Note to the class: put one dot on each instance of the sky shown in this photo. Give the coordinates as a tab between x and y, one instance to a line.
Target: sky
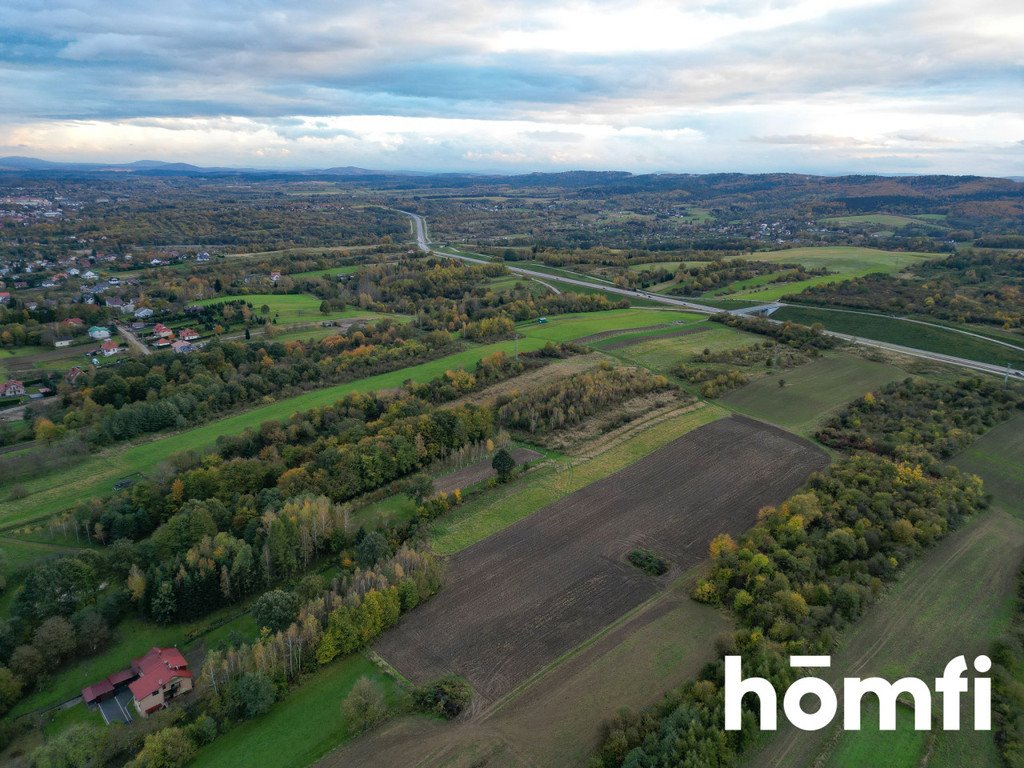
846	86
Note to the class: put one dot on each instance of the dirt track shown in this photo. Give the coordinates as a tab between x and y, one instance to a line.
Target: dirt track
518	600
480	471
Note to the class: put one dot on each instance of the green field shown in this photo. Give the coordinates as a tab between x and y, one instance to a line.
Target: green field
998	457
297	731
895	331
561	328
902	748
479	518
886	219
18	552
662	354
843	263
287	308
955	600
812	390
332	271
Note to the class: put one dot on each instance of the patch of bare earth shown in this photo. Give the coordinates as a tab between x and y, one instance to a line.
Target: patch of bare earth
482	470
517	601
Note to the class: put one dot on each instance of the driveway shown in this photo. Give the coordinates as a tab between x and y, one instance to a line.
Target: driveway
118	709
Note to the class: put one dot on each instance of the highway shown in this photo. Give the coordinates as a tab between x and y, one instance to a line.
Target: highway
423	242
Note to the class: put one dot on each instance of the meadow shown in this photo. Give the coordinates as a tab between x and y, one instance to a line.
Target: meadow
286	308
812	391
896	331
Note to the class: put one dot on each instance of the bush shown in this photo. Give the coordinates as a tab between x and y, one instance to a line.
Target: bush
646	560
446	697
365	705
251	695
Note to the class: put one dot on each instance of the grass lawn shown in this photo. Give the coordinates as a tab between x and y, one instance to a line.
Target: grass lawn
955	600
345	270
491	512
568	327
301	728
843	262
869	746
895	331
64	718
885	219
288	308
18	552
662	354
812	390
998	458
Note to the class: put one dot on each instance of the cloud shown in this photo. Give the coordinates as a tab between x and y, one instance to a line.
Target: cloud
643	84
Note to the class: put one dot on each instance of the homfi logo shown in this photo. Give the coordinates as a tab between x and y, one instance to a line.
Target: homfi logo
952	685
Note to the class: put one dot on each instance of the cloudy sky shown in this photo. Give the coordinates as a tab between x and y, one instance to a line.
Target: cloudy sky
900	86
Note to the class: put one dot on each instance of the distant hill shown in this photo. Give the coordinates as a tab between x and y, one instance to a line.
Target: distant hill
17	163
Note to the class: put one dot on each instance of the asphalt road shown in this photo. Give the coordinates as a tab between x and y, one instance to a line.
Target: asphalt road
423	242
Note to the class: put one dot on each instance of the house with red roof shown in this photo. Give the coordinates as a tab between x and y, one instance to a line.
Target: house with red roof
187	334
12	388
162	331
162	675
153	680
110	347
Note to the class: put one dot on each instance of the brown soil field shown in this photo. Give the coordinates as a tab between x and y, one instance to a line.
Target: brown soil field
651	337
480	471
517	601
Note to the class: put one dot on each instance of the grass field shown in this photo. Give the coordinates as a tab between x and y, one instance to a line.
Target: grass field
568	327
479	518
301	728
288	308
19	552
902	748
661	354
812	390
998	457
885	219
332	271
894	331
955	600
843	262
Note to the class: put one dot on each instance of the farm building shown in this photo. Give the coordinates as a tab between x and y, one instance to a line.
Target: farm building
153	680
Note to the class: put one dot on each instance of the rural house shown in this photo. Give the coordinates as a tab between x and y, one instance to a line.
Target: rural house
12	388
110	347
187	334
162	674
153	680
98	332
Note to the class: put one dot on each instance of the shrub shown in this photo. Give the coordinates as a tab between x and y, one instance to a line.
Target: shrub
646	560
446	697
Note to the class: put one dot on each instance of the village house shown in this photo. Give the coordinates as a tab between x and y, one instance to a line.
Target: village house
143	313
110	347
72	376
5	297
12	388
59	343
182	347
187	334
161	331
154	681
99	333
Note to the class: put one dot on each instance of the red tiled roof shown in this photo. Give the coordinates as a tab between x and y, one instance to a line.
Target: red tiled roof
92	692
121	677
156	668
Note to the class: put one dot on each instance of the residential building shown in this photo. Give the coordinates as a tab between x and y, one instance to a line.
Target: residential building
12	388
161	675
99	333
110	347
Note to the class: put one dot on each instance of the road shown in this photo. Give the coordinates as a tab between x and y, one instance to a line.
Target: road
424	245
423	242
133	340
